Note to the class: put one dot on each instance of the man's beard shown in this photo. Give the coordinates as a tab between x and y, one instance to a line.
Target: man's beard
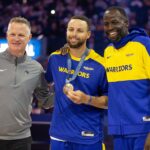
77	45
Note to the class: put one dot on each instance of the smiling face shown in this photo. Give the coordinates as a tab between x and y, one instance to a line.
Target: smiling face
77	33
115	25
18	36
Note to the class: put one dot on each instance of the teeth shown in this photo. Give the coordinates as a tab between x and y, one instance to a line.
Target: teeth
73	40
112	33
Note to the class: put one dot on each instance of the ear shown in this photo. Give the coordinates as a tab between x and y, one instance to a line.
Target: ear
30	36
127	23
88	34
7	35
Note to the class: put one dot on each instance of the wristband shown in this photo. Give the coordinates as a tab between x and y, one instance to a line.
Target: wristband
90	100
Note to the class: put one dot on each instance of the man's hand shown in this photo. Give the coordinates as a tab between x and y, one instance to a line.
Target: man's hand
78	97
64	50
147	143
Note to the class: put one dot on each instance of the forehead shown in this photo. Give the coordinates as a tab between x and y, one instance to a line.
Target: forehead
18	28
113	14
77	23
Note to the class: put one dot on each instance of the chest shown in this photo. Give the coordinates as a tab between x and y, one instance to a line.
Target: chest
18	75
125	64
89	74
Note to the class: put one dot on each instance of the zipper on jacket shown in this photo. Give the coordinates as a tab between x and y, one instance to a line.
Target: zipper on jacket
16	59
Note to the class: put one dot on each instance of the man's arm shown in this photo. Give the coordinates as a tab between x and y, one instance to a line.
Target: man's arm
80	97
43	93
64	50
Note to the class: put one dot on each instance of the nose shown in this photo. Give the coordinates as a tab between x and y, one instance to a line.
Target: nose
74	33
16	37
109	26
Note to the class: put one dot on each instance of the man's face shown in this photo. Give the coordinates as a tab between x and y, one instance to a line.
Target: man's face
18	36
115	25
77	33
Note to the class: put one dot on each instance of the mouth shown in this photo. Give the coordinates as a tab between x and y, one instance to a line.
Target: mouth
112	35
16	44
73	40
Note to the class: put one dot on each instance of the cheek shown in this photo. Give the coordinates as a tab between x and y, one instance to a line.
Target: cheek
87	37
68	33
123	32
68	36
9	38
105	29
25	41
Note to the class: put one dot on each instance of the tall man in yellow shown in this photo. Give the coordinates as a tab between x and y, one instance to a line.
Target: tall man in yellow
128	72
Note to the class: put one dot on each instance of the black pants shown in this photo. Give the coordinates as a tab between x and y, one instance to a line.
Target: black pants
20	144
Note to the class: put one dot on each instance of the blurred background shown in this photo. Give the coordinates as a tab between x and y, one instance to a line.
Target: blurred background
48	21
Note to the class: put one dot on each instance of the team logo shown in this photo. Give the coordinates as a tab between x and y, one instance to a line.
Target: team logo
130	54
2	70
88	68
108	57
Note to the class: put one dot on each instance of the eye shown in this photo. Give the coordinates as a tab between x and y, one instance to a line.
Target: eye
114	22
80	31
70	29
12	34
21	35
106	23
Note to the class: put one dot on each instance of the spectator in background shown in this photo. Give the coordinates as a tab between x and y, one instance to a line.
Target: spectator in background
80	89
128	72
41	14
20	77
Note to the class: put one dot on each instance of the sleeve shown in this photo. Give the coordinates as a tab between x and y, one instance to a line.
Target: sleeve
103	78
42	92
103	82
146	56
48	73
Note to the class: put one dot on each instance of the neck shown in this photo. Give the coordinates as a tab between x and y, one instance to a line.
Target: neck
16	53
77	52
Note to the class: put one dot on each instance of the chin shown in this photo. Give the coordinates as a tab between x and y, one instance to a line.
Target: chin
16	49
74	46
112	40
115	40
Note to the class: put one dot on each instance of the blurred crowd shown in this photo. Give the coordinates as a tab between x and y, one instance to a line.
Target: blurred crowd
49	17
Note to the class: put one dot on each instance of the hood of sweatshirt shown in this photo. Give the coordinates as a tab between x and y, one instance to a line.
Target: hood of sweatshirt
134	32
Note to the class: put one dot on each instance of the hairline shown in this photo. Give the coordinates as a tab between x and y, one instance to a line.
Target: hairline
20	20
119	9
82	18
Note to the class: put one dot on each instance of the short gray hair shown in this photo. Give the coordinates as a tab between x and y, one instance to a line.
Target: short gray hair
20	20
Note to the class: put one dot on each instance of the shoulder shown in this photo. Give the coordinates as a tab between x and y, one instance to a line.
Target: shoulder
56	55
96	57
57	52
1	54
108	49
144	41
34	63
